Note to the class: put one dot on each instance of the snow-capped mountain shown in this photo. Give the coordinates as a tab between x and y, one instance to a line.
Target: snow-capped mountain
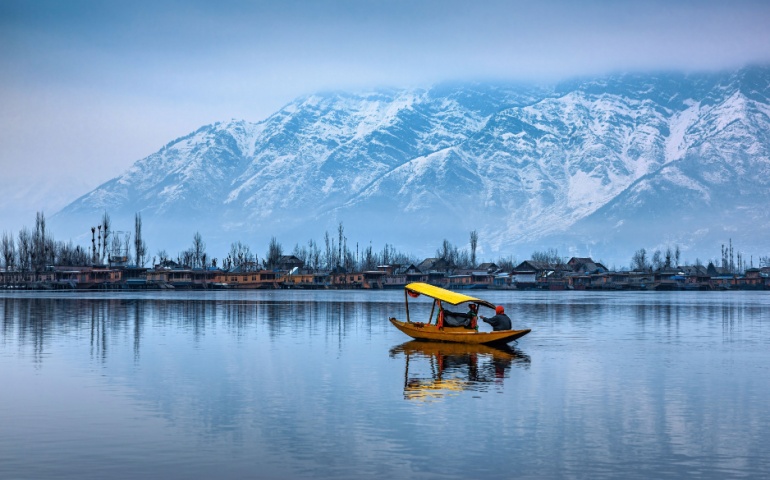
593	167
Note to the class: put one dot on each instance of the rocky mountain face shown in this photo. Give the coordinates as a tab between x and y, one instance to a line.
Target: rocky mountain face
599	167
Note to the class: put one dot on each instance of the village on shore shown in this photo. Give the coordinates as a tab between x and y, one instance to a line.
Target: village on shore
291	272
36	262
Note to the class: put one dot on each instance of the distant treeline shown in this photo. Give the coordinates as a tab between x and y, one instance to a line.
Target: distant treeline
33	250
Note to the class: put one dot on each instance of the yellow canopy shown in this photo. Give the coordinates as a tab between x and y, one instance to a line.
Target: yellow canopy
447	296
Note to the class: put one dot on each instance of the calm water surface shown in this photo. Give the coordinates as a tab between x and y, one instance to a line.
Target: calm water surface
319	385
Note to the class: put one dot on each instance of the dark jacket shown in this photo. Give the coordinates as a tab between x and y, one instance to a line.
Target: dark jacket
499	322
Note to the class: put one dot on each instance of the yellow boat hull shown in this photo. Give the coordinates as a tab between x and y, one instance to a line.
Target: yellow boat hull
428	331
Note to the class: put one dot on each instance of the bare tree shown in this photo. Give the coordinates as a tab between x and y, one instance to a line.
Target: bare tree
93	244
402	258
350	260
25	250
657	260
127	247
448	252
116	245
369	261
639	260
698	262
340	231
328	256
99	244
107	226
549	257
474	244
506	264
314	254
198	250
388	254
301	252
240	254
140	247
42	245
463	259
69	254
187	258
8	250
9	254
274	253
445	250
162	256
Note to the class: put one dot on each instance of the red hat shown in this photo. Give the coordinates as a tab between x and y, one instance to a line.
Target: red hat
499	309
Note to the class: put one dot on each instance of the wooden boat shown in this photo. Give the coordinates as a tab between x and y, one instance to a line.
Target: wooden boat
442	333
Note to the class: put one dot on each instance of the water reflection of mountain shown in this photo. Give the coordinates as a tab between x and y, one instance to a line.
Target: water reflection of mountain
434	369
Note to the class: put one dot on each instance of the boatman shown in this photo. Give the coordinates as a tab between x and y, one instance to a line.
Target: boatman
500	321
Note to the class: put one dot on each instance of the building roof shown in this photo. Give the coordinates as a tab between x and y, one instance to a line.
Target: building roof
532	266
586	264
433	264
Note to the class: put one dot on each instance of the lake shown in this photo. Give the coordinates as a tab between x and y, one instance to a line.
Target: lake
318	384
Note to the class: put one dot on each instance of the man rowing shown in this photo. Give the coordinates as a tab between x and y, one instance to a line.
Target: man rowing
500	321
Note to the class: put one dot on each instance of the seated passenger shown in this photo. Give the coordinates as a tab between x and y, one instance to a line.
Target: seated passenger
457	319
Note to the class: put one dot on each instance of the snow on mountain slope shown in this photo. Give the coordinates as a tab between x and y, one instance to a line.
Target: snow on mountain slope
578	165
715	188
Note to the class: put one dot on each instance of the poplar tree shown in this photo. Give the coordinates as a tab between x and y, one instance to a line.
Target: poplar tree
474	244
140	247
274	253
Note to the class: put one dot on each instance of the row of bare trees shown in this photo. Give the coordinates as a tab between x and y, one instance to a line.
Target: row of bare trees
659	260
34	250
336	254
669	258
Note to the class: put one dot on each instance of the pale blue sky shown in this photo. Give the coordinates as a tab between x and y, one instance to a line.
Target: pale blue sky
89	87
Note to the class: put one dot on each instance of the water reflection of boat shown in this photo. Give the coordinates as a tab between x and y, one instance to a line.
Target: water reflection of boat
439	331
440	369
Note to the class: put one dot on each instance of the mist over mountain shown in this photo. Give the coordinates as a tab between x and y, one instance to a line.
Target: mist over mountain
596	166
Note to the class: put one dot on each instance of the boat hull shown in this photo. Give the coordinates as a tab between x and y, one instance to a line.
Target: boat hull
427	331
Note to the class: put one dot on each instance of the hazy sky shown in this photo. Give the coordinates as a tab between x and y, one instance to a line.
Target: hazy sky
89	87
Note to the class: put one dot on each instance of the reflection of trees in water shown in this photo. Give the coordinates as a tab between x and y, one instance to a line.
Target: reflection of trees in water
672	316
35	331
35	321
676	319
9	317
108	319
238	316
39	321
543	313
663	317
332	319
190	315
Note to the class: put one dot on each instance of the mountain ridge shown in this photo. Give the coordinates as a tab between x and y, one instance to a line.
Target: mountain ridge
528	166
